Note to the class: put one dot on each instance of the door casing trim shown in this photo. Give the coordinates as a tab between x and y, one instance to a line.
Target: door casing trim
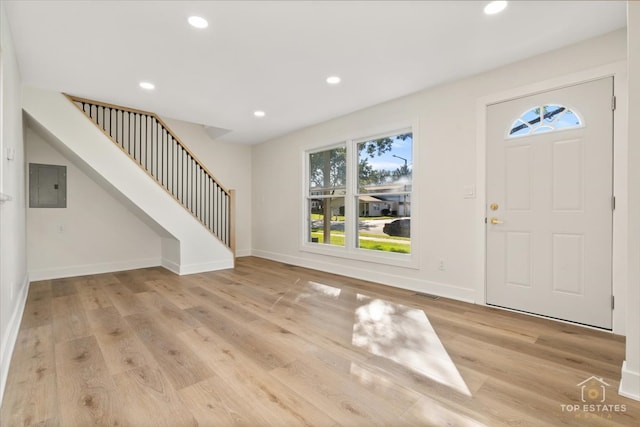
617	70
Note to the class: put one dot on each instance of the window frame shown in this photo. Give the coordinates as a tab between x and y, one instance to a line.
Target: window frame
350	250
509	136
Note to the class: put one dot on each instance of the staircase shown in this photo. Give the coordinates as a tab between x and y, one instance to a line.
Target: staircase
137	154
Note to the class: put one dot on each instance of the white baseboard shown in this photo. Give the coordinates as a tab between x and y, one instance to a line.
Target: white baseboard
171	266
629	383
243	253
84	270
411	284
11	335
196	268
204	267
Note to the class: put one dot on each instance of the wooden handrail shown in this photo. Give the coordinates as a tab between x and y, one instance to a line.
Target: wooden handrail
74	98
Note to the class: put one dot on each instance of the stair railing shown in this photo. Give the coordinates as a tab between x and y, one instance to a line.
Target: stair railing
148	141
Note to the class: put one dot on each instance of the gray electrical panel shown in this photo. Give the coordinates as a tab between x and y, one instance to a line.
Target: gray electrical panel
47	186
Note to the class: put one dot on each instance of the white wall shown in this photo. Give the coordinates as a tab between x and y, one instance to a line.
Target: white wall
446	223
630	383
13	262
98	233
230	164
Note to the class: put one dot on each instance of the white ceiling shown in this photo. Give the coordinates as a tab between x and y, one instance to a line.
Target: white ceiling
275	55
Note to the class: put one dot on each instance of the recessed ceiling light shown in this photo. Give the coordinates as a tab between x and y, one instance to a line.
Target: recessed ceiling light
259	113
495	7
147	85
198	22
333	80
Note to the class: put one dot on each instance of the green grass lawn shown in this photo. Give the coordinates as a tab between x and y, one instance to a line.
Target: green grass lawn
386	246
384	236
318	217
337	239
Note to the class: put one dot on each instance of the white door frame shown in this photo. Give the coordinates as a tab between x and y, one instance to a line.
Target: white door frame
620	148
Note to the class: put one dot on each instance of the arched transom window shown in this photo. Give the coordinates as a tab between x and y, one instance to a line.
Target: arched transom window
545	118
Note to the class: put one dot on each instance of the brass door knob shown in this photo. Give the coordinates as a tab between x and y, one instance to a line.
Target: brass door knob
495	220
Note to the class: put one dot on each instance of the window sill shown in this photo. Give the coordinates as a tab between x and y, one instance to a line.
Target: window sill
364	255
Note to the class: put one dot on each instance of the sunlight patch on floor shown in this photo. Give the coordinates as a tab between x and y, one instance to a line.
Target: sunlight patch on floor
404	335
318	289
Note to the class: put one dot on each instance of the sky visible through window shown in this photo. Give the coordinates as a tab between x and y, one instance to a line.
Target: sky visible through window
386	161
545	118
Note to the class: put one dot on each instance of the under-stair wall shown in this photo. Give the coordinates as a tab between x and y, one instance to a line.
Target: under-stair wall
191	247
97	232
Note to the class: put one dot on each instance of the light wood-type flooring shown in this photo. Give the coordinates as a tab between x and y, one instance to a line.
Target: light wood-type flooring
269	344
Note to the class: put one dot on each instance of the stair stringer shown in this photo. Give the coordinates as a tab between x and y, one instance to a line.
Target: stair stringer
194	248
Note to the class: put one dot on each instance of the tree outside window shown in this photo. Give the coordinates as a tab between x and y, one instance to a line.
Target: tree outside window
327	188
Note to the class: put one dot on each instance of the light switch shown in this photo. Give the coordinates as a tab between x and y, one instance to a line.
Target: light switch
469	191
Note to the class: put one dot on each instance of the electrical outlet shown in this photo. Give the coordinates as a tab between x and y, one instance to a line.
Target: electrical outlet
60	228
441	265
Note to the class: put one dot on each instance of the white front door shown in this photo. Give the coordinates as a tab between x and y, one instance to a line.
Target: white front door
549	203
